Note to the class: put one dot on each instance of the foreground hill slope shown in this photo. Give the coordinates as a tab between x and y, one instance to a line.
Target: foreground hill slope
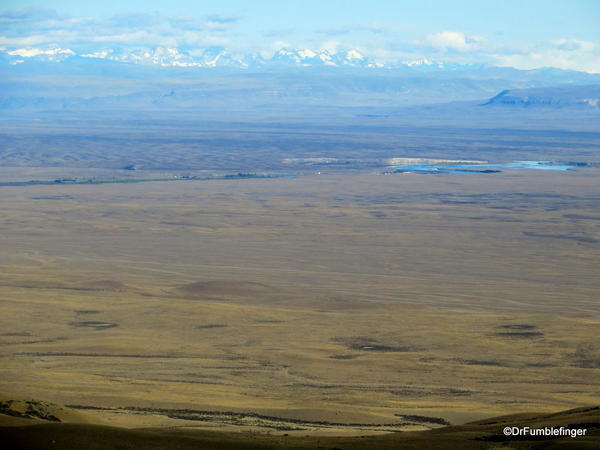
44	425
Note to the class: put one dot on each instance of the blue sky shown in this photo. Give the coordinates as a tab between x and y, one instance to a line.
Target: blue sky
524	34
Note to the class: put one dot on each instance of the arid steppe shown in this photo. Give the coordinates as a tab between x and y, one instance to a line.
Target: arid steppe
387	302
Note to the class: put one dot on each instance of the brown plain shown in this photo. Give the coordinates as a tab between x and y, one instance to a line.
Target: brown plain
347	299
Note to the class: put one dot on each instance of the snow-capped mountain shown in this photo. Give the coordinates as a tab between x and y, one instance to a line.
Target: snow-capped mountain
214	57
307	57
19	55
220	57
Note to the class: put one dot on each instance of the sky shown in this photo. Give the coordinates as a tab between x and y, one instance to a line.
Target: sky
524	34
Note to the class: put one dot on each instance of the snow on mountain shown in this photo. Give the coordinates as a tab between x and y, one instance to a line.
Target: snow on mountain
220	57
421	62
209	57
307	57
53	54
306	53
119	61
104	54
160	56
302	57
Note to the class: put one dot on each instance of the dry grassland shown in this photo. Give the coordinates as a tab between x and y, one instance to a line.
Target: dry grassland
387	302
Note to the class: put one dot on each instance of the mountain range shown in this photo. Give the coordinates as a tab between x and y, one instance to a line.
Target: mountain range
220	57
61	79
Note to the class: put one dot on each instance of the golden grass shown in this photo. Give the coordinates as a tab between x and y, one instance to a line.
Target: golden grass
350	299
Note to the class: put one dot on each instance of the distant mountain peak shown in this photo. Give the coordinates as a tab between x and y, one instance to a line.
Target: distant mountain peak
354	54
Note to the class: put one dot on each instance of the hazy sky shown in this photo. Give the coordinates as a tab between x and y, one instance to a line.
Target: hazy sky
525	33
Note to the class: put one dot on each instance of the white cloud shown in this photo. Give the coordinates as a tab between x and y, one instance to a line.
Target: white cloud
564	53
46	28
330	46
574	45
454	40
551	57
280	44
34	39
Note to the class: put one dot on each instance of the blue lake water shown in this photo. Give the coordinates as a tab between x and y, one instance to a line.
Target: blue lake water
485	167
